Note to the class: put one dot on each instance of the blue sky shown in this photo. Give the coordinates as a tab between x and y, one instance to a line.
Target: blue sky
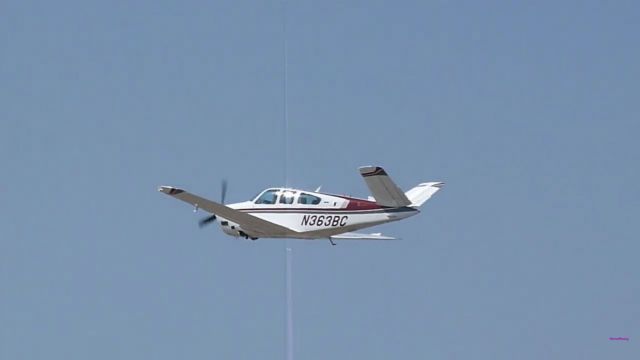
528	112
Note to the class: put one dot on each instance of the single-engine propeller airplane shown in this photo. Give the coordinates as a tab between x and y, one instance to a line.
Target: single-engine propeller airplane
301	214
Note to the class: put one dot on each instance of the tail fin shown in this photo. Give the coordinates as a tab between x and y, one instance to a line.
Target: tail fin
423	192
383	189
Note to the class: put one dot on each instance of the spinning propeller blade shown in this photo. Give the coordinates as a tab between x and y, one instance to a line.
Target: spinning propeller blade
223	191
223	195
206	220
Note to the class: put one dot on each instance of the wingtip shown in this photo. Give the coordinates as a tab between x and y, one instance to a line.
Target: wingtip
371	170
169	190
436	184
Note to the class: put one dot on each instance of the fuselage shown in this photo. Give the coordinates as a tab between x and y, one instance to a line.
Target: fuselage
313	214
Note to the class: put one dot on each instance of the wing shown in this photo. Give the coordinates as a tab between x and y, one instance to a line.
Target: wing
249	223
358	236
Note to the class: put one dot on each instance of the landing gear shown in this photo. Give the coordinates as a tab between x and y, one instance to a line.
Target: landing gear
331	241
244	235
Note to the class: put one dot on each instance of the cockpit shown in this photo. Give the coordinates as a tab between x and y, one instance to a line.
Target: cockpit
285	197
268	197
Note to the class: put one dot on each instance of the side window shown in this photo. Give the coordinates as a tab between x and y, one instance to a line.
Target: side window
308	199
287	197
268	197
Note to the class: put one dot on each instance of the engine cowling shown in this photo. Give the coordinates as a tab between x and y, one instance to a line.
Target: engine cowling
231	228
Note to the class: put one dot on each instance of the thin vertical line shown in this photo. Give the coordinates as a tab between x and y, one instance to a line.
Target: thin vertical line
289	279
289	252
285	95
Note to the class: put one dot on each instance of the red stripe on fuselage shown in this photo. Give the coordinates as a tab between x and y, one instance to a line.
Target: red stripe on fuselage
311	210
362	205
358	204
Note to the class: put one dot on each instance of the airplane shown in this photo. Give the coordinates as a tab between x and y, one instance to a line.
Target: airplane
284	212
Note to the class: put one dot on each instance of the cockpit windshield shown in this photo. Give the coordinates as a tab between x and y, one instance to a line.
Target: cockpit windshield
268	197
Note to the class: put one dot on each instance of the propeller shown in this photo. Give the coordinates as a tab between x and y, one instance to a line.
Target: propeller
223	191
205	221
223	195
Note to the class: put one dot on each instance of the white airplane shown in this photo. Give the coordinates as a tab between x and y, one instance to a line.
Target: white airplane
300	214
